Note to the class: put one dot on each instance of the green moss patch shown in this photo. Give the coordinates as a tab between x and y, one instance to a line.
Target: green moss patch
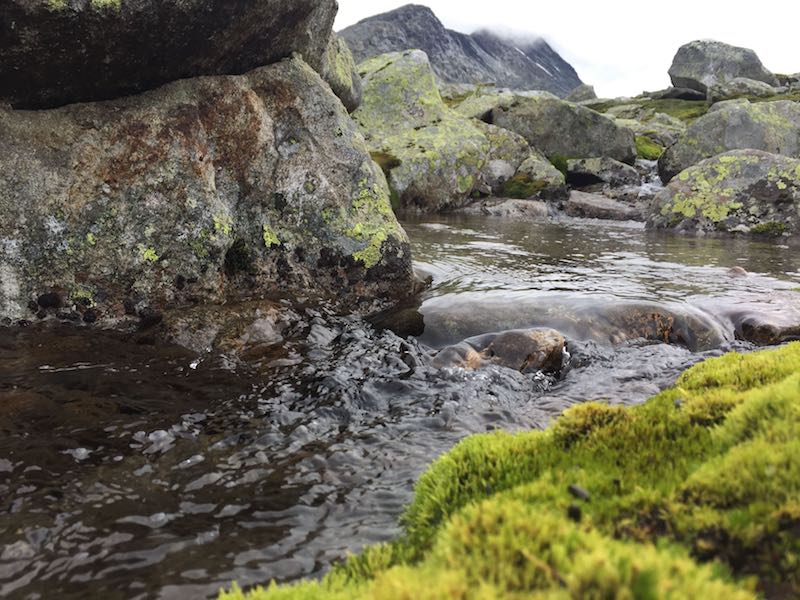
647	148
522	186
687	111
692	494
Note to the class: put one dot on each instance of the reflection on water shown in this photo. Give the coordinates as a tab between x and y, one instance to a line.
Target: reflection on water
140	471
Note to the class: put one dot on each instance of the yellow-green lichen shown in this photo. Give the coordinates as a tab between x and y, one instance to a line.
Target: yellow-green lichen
148	254
106	4
374	221
223	224
269	236
91	240
691	495
57	4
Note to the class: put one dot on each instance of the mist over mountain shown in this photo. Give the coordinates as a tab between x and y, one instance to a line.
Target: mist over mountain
482	57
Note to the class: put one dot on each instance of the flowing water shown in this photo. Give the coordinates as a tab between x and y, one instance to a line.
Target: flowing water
134	470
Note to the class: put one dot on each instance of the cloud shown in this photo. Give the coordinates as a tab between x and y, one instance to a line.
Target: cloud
622	47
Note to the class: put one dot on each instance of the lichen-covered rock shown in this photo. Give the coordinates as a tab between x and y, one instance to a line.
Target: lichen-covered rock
741	86
701	64
57	52
340	72
745	191
582	93
560	128
768	126
661	129
433	156
205	190
536	177
587	171
674	93
524	350
507	151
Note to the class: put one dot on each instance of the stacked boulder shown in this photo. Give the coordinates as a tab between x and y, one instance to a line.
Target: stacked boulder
207	162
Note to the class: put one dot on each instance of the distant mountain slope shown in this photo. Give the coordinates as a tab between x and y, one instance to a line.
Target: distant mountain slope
483	57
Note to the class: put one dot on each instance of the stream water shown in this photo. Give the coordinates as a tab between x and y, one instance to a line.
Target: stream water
149	471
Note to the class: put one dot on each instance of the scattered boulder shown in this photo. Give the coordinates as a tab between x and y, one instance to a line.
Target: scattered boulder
743	191
524	350
661	129
432	155
702	64
563	129
596	206
769	126
507	151
588	171
339	71
536	177
58	52
203	191
582	93
741	86
508	208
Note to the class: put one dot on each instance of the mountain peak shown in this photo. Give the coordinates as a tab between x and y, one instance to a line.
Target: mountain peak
523	62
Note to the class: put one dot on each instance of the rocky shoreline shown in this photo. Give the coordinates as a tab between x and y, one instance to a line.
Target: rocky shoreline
198	175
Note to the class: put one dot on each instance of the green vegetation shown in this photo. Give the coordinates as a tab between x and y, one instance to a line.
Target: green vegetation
560	163
693	494
386	161
647	148
771	228
523	186
687	111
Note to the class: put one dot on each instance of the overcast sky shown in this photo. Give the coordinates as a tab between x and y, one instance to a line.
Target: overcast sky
622	47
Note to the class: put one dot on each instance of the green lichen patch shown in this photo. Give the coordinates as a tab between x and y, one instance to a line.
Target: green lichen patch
648	149
693	494
269	236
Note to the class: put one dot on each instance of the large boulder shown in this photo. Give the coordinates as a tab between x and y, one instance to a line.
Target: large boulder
701	64
563	129
205	190
57	52
597	206
433	156
769	126
340	72
588	171
582	93
507	151
745	191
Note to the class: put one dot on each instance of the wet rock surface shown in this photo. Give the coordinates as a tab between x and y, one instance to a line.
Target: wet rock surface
597	206
202	191
62	51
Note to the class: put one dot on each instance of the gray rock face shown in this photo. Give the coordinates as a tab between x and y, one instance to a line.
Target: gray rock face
743	191
769	126
459	58
701	64
595	206
57	52
588	171
339	71
741	86
582	93
203	191
563	129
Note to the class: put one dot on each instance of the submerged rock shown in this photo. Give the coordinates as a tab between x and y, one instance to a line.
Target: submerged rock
744	191
702	64
508	208
524	350
768	126
566	130
57	52
203	191
432	155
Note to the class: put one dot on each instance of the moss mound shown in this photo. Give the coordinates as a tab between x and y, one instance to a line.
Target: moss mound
692	495
648	149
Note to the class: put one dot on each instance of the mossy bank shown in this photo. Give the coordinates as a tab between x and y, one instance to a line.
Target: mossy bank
609	502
